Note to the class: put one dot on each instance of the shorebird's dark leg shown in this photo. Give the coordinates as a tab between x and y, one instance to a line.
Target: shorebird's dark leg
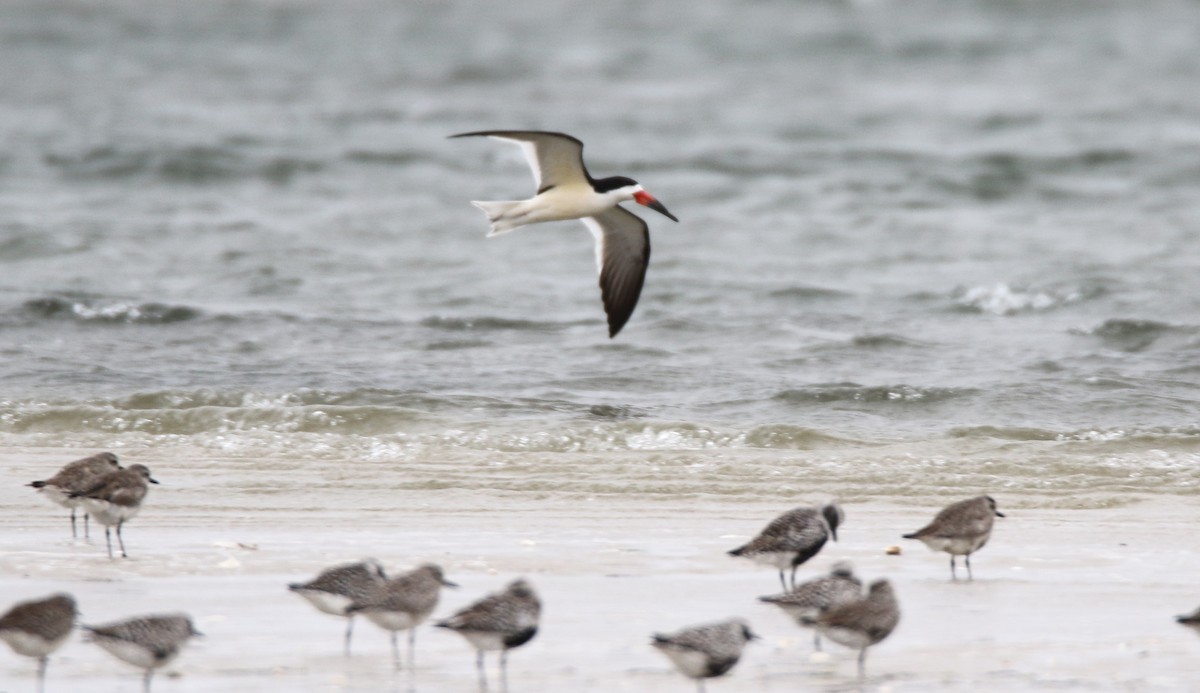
73	533
862	663
482	674
349	632
41	676
504	671
794	567
85	525
146	680
817	640
968	562
953	574
782	581
108	540
120	539
412	647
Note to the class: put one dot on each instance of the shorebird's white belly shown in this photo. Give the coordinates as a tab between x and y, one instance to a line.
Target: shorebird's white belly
328	602
484	641
394	620
29	644
848	637
110	514
136	655
57	495
955	546
690	663
778	559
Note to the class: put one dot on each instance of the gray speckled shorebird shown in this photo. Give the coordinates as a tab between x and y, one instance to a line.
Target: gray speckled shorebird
863	622
146	642
75	477
565	190
115	498
339	587
498	622
793	538
810	599
960	529
37	628
403	603
705	651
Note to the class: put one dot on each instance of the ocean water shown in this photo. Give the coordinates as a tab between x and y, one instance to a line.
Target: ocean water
923	245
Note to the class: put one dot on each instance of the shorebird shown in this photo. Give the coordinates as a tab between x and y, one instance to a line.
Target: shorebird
499	621
960	529
863	622
809	600
336	588
403	603
39	627
115	498
76	476
147	642
705	651
793	538
565	190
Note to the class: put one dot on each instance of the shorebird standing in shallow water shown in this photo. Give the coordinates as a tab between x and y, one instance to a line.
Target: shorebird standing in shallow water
403	603
793	538
809	600
337	588
499	621
148	642
565	190
705	651
863	622
74	477
39	627
960	529
116	497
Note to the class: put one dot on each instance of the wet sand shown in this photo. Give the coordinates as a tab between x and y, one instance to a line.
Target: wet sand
1072	599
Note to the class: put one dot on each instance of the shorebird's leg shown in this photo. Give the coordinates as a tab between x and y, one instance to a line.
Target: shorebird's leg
782	582
953	574
395	652
862	659
85	525
794	567
817	640
482	674
504	671
412	647
41	675
121	540
73	534
108	540
968	561
699	685
349	632
146	680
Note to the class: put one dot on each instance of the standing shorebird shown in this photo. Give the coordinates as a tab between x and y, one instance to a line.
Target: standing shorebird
336	588
705	651
809	600
74	477
115	498
500	622
147	642
793	538
960	529
565	190
39	627
863	622
403	603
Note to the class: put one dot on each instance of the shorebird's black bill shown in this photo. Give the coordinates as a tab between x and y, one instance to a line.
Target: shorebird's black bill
153	481
999	514
645	198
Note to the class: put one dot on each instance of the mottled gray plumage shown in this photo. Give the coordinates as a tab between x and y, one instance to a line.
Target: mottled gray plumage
810	599
339	587
960	529
863	622
146	642
499	621
705	651
38	627
115	498
403	603
75	477
793	538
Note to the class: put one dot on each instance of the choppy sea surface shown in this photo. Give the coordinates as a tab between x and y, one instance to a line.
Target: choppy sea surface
921	244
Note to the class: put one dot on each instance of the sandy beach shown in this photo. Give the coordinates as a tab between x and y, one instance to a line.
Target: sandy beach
1073	599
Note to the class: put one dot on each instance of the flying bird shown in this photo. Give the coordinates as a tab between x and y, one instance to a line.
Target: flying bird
565	190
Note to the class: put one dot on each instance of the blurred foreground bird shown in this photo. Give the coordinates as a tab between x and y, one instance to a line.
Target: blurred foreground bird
339	587
705	651
864	622
38	627
498	622
403	603
809	600
146	642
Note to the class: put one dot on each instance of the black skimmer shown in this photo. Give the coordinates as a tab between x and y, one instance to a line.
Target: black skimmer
565	190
